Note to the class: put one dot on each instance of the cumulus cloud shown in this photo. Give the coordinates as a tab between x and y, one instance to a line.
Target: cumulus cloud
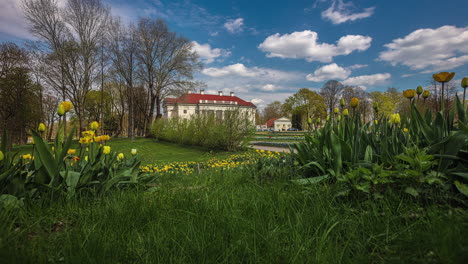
430	50
207	54
234	25
329	72
241	70
341	12
305	45
366	80
257	101
269	87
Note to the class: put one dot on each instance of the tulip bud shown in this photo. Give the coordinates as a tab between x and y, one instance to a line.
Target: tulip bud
464	82
354	102
319	120
345	112
338	118
309	120
41	127
405	130
2	156
61	110
342	102
336	110
67	106
71	151
328	118
419	90
94	125
134	151
376	122
410	93
426	94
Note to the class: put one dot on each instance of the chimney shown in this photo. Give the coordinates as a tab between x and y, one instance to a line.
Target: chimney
202	91
232	93
220	93
189	92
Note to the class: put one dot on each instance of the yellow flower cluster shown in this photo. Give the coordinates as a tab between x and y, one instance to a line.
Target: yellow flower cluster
89	136
189	167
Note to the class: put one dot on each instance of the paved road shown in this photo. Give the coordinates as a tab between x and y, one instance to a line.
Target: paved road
270	148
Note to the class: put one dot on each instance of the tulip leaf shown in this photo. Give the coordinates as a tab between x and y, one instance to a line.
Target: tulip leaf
45	155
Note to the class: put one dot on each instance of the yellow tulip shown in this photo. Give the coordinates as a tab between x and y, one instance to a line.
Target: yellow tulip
106	149
443	77
405	130
419	90
426	94
410	93
395	119
94	125
27	156
134	151
98	139
376	122
67	106
2	156
342	102
309	120
86	158
354	102
336	110
345	112
464	82
61	110
71	151
41	127
120	156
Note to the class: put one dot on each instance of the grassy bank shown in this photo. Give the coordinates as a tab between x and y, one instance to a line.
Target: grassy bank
231	218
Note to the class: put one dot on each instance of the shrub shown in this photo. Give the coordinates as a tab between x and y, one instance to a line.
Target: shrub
206	130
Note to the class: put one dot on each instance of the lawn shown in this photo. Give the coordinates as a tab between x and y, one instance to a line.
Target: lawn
232	218
151	150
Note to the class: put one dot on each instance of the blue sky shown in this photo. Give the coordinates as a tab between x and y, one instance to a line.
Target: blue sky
267	50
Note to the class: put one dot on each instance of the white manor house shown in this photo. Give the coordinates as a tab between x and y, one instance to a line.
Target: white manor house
192	103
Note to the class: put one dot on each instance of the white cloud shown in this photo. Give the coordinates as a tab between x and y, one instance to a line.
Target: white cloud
239	69
234	25
443	48
269	87
366	80
207	54
257	101
341	12
304	45
329	72
357	66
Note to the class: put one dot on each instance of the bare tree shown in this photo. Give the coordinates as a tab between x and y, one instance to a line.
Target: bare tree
329	92
167	62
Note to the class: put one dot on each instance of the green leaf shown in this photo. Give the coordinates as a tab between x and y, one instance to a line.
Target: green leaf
45	155
463	188
413	192
461	174
71	179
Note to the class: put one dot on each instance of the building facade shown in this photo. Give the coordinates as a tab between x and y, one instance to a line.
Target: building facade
279	124
191	104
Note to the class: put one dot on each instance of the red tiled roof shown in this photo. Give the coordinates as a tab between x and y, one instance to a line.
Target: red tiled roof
195	99
271	122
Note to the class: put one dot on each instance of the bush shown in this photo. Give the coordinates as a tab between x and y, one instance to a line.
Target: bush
231	133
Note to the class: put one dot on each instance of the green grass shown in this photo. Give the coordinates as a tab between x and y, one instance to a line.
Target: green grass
229	218
151	150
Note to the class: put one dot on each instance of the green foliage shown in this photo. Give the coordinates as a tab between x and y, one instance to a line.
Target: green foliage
367	155
206	130
55	171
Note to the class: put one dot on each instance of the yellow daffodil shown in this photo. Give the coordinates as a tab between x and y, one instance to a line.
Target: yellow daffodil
134	151
443	77
354	102
106	149
2	156
345	112
71	151
41	127
94	125
410	93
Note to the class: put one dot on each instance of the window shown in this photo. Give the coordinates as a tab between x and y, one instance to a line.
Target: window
185	111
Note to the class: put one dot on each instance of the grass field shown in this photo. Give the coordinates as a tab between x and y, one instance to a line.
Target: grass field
151	150
230	218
